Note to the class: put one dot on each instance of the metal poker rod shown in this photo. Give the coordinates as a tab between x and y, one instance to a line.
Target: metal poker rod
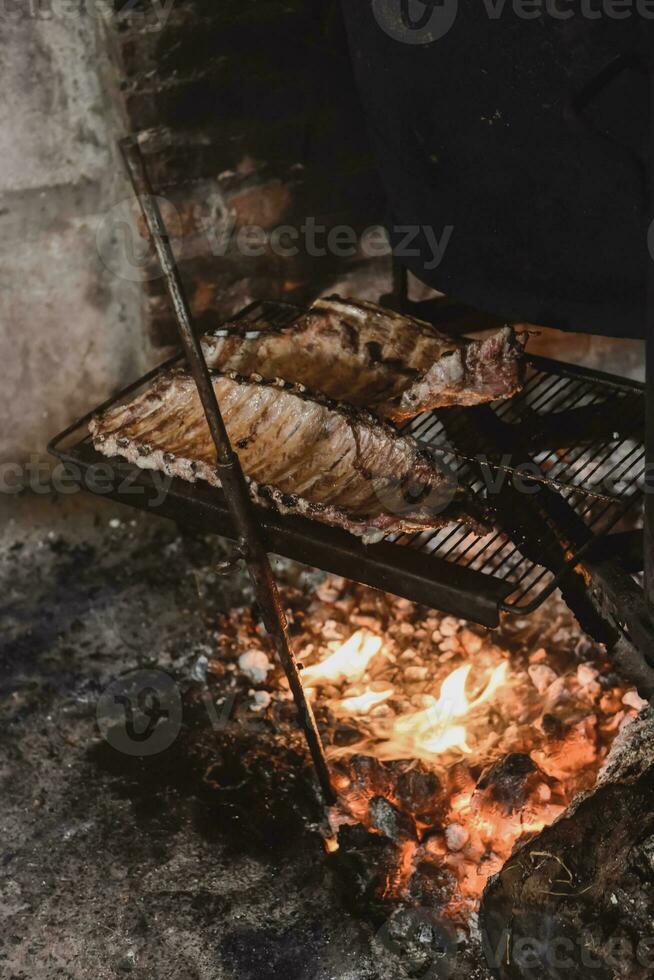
228	465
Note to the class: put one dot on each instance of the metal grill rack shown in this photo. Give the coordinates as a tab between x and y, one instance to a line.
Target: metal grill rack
599	478
566	454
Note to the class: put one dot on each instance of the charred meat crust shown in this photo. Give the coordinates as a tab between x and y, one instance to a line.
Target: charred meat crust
366	355
301	453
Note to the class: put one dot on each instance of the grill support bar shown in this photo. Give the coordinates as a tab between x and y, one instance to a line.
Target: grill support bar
648	529
251	546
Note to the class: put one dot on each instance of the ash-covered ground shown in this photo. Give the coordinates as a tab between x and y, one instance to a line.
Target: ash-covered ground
182	864
154	824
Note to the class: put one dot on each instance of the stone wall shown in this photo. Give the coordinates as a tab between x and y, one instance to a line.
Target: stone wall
247	115
70	331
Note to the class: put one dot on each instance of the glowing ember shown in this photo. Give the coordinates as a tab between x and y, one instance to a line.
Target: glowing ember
448	746
349	662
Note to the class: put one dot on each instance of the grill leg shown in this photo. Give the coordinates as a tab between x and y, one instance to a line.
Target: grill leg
648	532
229	468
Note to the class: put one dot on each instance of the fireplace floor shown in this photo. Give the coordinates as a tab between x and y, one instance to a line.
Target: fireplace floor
115	865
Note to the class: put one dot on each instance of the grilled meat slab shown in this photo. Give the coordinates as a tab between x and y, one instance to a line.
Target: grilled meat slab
365	355
300	453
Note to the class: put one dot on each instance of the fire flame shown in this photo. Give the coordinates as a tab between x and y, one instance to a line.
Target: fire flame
428	733
348	663
423	734
441	748
362	703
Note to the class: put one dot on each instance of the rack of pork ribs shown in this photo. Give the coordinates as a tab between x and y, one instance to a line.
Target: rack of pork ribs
465	474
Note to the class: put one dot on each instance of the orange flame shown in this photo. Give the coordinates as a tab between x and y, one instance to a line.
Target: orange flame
348	663
430	732
362	703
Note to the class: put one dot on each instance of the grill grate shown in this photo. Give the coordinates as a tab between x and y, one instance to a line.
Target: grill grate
572	439
599	473
600	478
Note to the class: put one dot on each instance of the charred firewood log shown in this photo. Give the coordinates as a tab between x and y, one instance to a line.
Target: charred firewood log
578	900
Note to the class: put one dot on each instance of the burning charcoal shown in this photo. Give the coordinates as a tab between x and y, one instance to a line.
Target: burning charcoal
370	775
367	863
471	642
552	726
260	701
556	693
642	859
450	645
576	878
508	781
421	793
331	589
587	674
432	886
425	945
390	821
346	735
576	751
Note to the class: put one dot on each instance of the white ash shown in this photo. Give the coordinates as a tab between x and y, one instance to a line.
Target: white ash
199	669
450	626
555	694
450	644
260	701
587	674
542	677
456	837
633	700
471	642
256	665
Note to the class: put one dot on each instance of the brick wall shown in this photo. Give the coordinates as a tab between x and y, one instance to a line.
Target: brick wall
248	114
